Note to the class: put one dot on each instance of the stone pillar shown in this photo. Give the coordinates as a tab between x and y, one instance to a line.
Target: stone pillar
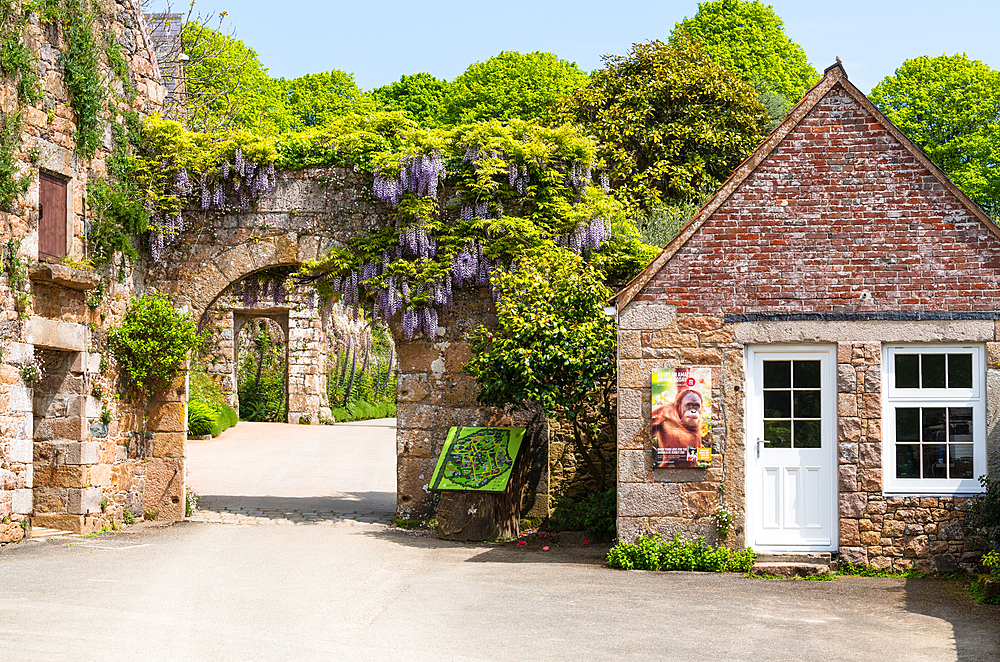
433	395
166	427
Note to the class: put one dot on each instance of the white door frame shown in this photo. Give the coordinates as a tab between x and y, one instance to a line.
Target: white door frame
753	407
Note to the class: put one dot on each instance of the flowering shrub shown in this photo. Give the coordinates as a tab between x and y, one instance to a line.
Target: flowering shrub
654	553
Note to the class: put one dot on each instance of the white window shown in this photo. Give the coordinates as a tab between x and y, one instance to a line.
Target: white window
934	419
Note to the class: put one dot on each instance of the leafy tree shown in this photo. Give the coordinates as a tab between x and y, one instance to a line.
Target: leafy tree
672	123
747	37
950	107
510	85
315	99
225	85
421	96
553	345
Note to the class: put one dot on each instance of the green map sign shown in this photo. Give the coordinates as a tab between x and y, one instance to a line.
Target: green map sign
477	459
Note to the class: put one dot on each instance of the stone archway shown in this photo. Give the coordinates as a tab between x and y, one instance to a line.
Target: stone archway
309	212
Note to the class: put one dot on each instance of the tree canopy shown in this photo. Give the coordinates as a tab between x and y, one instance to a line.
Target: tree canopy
747	37
315	99
950	107
420	95
227	86
671	122
510	85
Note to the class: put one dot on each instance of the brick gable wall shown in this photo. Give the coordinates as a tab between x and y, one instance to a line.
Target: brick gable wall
839	208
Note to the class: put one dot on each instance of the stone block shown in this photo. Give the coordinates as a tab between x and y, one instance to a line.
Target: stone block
848	453
870	456
20	352
85	501
166	417
66	475
22	501
849	534
168	444
672	337
20	399
849	429
847	379
847	404
80	524
53	334
74	429
20	450
633	434
629	344
893	529
93	406
164	488
417	356
700	504
871	480
873	379
871	405
79	452
456	355
918	547
644	315
630	403
848	481
414	498
418	443
99	475
649	499
853	505
634	466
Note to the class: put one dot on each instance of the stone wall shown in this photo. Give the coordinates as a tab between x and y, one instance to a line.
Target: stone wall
58	460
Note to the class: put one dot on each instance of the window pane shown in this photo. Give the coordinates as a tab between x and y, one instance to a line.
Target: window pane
935	458
807	404
778	434
777	404
777	374
933	424
960	425
907	371
960	461
807	434
960	371
807	374
932	375
907	424
908	461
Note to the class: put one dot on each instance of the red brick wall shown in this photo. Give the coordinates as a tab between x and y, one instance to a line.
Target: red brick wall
838	208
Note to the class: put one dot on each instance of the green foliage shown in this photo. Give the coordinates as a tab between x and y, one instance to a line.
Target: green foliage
128	517
83	79
862	570
16	268
190	501
554	346
118	204
664	222
120	66
950	107
421	96
992	561
983	512
316	99
671	122
227	87
362	410
655	553
16	60
261	372
510	85
594	512
202	419
748	38
153	341
13	184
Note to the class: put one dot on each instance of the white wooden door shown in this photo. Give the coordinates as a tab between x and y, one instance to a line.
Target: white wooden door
791	449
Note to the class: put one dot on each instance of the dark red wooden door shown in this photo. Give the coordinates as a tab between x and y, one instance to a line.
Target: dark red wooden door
51	218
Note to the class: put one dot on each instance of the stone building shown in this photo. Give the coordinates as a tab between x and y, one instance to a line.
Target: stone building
71	455
844	295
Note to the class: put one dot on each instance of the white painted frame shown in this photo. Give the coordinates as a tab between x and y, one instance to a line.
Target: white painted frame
753	405
918	397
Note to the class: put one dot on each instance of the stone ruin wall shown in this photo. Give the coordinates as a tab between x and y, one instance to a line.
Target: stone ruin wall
58	461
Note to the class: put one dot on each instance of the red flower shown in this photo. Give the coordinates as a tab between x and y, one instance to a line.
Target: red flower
545	549
586	542
521	543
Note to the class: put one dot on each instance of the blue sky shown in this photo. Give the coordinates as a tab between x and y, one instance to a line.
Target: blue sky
378	41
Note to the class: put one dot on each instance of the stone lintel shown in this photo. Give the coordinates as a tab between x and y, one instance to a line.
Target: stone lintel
57	274
53	334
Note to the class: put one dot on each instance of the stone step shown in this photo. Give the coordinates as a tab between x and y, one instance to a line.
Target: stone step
789	570
796	557
41	533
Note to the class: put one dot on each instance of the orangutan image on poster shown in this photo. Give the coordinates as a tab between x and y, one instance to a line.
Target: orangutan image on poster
682	411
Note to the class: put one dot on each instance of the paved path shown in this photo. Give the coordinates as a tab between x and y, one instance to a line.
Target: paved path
354	590
276	473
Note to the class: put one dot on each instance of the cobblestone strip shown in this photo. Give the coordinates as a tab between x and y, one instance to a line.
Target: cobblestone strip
255	516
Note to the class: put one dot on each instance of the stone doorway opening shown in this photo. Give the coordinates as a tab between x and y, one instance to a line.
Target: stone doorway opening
261	365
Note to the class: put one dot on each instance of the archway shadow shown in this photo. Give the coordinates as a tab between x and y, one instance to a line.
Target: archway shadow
356	506
976	627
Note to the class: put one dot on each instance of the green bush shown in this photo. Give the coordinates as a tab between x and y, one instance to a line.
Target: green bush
202	419
983	512
595	512
362	410
227	416
204	392
654	553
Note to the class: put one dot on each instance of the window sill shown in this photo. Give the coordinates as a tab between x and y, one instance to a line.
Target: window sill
57	274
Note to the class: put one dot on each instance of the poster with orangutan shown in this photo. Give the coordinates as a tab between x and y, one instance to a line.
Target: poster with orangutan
682	413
